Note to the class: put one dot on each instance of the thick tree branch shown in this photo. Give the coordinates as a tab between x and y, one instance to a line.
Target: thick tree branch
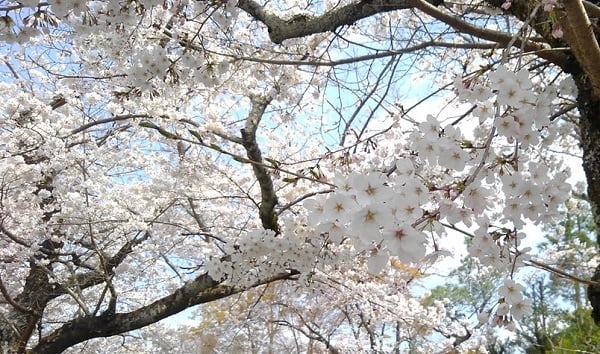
268	202
541	50
200	290
591	9
582	40
304	25
39	290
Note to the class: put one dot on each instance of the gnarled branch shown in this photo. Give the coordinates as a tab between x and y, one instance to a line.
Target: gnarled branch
304	25
200	290
267	213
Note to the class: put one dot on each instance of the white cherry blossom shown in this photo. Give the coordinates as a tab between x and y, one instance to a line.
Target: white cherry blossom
511	291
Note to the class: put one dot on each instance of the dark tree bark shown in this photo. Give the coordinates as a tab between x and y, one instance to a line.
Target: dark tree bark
200	290
589	126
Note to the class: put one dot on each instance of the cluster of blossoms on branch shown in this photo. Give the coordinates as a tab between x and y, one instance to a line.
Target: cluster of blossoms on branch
262	252
445	179
375	216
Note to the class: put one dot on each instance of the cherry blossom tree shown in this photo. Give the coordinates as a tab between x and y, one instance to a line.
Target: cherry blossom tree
157	155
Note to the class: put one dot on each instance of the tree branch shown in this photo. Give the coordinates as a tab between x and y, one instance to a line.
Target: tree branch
304	25
106	120
317	62
591	9
92	278
200	290
11	301
267	213
499	37
582	40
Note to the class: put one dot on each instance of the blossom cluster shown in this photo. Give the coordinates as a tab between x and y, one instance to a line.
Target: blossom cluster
261	252
375	213
487	181
511	305
520	114
512	301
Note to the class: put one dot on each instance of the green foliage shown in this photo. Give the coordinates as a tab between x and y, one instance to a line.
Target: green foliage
581	335
538	332
475	291
573	239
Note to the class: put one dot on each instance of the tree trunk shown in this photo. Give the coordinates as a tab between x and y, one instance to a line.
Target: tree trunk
589	130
